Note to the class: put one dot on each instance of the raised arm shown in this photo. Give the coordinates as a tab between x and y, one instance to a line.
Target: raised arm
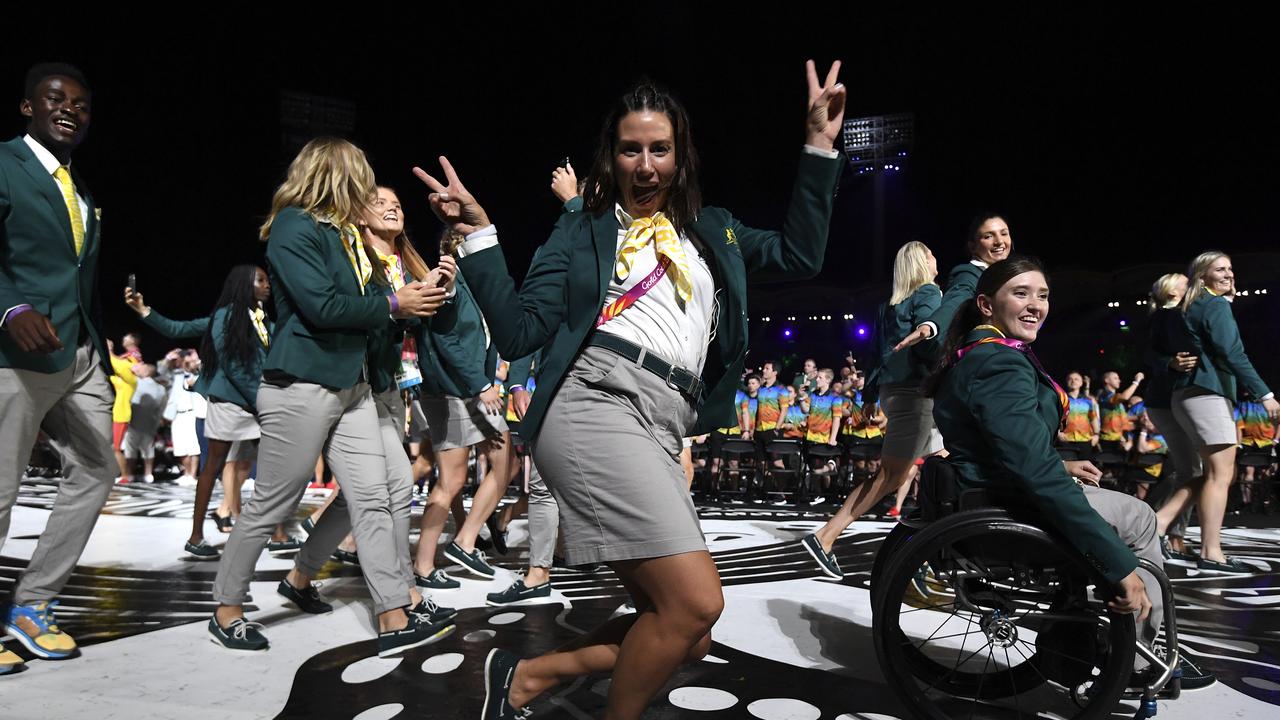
520	322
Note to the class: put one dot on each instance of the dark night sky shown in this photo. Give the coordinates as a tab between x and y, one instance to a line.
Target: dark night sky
1108	140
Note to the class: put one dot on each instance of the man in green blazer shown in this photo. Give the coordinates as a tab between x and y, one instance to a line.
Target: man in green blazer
53	371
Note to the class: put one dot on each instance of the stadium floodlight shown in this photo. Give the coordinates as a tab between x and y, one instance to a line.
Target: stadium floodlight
880	143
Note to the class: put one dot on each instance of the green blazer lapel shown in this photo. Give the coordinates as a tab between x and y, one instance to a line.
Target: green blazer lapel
604	229
50	189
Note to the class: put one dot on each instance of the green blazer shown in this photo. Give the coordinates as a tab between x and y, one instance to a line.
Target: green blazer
1167	336
999	417
323	315
896	322
457	361
564	290
230	382
38	263
1215	338
962	286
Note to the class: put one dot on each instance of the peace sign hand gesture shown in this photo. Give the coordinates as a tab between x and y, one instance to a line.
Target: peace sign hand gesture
452	203
826	107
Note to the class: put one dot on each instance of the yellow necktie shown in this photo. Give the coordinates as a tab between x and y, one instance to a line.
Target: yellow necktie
667	242
73	205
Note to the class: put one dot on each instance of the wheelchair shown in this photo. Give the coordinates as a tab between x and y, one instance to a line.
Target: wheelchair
979	611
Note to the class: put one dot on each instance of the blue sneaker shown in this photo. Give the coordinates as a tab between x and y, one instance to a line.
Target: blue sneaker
37	629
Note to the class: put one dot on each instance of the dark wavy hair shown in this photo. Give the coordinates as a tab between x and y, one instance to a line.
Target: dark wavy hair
240	339
971	237
684	197
968	316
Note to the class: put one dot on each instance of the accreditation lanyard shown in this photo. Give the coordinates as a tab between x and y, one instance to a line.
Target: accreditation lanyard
637	291
1063	399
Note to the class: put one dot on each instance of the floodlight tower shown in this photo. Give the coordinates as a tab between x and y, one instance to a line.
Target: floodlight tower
876	146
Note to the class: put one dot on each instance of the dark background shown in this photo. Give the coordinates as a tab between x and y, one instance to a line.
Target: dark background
1118	146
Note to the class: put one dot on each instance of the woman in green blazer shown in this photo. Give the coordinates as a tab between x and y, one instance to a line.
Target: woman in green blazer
234	346
316	397
988	241
897	382
999	412
464	410
1204	398
640	300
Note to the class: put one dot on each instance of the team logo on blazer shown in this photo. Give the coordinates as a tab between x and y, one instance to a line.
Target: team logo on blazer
97	213
730	238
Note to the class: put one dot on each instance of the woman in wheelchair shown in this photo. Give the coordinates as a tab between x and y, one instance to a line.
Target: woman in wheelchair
997	576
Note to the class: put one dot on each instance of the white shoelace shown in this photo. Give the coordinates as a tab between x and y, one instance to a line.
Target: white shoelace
239	629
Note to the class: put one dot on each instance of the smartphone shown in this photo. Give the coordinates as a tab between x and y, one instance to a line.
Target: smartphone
565	162
132	282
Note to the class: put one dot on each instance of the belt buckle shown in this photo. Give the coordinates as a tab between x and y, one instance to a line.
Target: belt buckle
671	371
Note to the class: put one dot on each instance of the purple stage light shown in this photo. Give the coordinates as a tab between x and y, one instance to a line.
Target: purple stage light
862	331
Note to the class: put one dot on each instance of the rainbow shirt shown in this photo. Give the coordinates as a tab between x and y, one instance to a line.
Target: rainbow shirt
796	418
738	400
747	411
859	424
1115	416
1161	448
773	404
1255	426
1081	414
824	417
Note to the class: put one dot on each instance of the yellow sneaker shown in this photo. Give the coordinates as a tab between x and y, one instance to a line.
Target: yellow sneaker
9	662
37	629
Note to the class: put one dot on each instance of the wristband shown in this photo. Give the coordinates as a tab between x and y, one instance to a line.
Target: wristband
15	312
395	304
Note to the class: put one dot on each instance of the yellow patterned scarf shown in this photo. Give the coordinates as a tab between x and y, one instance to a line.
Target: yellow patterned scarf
258	316
354	245
667	243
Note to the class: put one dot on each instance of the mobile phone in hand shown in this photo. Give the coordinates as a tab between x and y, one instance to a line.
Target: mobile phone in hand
132	282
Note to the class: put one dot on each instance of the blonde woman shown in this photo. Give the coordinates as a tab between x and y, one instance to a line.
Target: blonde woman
315	397
897	380
1204	398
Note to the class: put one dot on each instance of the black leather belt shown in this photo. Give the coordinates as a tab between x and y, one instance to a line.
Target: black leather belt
686	381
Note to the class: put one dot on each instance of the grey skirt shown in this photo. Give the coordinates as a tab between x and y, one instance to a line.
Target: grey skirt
609	451
910	418
228	421
454	422
1206	417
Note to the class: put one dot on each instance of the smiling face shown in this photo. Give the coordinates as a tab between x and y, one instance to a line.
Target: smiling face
1019	307
644	162
385	217
1219	277
992	243
1074	381
58	114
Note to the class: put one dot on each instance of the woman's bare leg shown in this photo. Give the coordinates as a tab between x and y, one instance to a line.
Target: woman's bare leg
1219	469
218	450
893	473
678	599
492	487
452	467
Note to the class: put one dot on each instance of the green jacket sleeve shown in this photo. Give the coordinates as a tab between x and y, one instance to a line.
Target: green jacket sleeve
573	204
1224	335
519	370
522	322
175	328
925	301
797	252
296	250
962	285
1002	396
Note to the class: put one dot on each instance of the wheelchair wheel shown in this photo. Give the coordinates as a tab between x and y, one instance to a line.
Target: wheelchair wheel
888	547
981	615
